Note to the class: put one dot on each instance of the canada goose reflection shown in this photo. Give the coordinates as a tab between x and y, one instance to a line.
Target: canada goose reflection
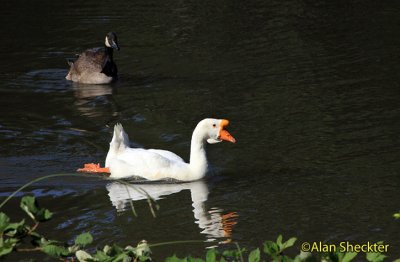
90	91
95	101
214	224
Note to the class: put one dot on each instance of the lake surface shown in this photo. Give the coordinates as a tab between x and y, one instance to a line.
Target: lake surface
311	89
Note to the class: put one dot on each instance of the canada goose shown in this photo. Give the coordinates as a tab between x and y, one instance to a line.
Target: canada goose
95	65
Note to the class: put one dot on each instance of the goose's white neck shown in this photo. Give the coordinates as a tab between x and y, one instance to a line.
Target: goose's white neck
198	160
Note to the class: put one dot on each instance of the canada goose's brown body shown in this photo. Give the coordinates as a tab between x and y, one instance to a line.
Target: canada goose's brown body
96	65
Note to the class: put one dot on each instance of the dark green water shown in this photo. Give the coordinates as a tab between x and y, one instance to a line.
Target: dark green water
311	90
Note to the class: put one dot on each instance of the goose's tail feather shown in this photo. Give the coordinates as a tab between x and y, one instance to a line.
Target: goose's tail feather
119	142
120	139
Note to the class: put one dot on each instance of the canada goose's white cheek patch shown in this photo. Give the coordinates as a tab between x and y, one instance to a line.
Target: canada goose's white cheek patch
107	43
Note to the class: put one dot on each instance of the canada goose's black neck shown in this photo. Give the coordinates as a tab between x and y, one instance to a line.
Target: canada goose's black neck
109	51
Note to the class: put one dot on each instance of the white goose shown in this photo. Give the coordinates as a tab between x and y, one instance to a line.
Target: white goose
154	164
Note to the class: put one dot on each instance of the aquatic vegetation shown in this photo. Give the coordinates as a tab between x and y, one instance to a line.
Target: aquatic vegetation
14	237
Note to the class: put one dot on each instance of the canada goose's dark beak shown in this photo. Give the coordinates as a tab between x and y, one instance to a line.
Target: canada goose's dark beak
115	45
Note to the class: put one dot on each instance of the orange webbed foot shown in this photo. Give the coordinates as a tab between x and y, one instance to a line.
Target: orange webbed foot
93	168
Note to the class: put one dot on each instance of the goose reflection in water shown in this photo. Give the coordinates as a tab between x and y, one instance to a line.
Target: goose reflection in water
215	225
96	101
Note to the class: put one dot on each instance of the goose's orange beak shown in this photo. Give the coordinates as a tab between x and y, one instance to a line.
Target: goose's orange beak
223	134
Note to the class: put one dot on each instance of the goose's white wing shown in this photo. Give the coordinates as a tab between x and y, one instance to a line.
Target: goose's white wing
167	154
150	164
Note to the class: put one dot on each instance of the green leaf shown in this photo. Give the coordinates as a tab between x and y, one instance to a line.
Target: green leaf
55	251
376	257
397	215
107	249
303	256
31	207
174	258
211	255
286	259
84	239
121	258
7	246
73	249
349	256
100	255
289	243
233	254
36	235
4	222
16	229
6	249
112	251
143	249
117	249
129	250
194	259
28	204
254	255
333	256
36	239
83	256
44	242
45	215
279	240
271	248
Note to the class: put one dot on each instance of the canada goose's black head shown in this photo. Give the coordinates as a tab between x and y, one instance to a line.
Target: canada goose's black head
111	40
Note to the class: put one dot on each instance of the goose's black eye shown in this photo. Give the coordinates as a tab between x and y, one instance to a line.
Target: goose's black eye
214	125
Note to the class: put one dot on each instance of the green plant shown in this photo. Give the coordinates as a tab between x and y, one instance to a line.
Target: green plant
13	234
275	249
376	257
